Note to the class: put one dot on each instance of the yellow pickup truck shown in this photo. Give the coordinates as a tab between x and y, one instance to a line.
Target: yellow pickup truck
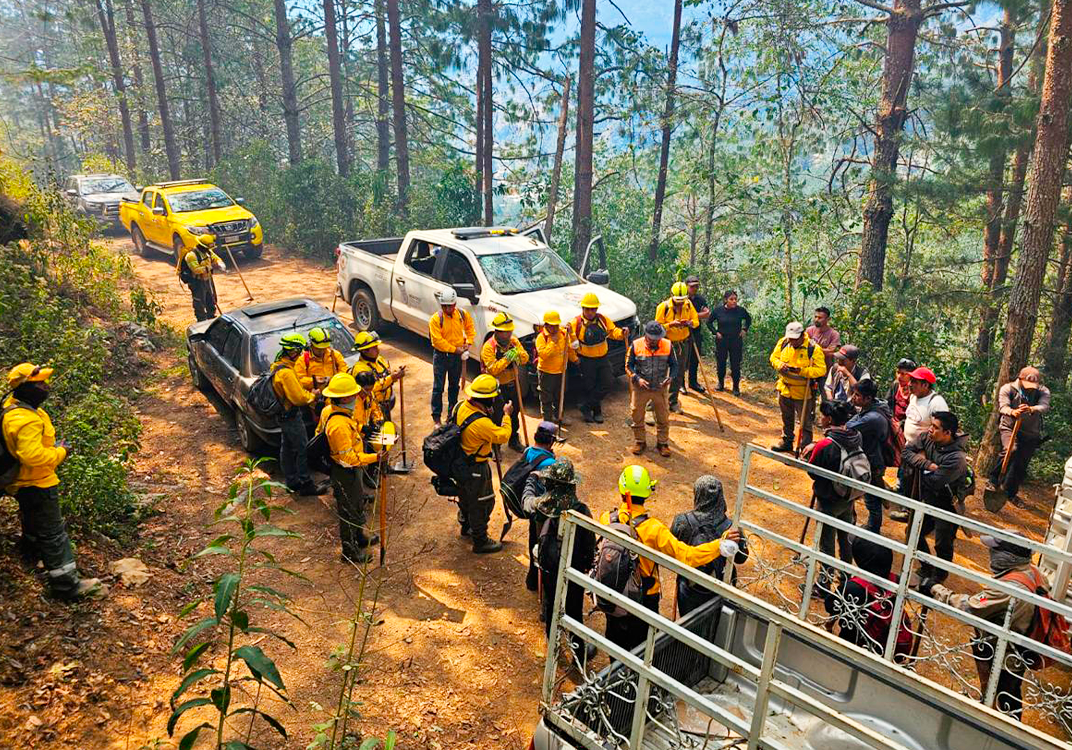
169	216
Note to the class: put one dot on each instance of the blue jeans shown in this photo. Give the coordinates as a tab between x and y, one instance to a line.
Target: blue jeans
446	367
292	458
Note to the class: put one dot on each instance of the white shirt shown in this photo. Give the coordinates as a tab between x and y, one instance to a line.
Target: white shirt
918	414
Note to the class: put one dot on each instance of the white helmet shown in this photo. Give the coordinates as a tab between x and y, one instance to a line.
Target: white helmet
448	297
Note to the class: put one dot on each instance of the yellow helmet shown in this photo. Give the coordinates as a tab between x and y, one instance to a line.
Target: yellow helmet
483	386
366	340
590	300
28	372
679	291
319	338
552	318
206	241
342	385
502	322
636	482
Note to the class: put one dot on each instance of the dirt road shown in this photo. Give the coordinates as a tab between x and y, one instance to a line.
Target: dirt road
458	647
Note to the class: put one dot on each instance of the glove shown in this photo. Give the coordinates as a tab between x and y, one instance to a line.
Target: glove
575	344
223	266
728	548
465	355
511	356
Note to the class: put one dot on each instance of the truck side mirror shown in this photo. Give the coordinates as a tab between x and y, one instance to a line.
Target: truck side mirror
467	290
240	201
600	277
159	211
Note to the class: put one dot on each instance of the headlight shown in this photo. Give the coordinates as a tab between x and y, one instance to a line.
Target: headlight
253	222
197	230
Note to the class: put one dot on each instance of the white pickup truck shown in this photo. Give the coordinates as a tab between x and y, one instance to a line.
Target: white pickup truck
492	269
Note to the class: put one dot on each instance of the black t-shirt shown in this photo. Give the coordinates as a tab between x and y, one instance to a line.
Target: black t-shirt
729	321
699	302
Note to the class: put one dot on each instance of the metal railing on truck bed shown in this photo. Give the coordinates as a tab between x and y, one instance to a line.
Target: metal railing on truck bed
767	674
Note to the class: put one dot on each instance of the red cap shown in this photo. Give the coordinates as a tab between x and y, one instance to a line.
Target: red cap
923	373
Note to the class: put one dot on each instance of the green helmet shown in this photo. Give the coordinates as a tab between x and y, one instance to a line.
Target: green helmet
292	341
319	337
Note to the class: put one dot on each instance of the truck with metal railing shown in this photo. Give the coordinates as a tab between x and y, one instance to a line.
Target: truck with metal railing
760	666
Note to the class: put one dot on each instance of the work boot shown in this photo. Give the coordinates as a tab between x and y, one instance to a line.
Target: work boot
360	556
532	580
698	388
899	514
515	445
313	489
664	450
649	419
721	386
638	448
782	446
587	414
736	390
1017	502
597	417
991	487
86	588
676	408
487	546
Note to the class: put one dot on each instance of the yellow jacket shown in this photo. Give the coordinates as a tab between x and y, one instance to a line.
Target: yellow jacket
308	368
665	315
31	438
550	351
794	385
448	333
287	387
200	263
653	533
344	437
576	329
379	367
478	437
494	359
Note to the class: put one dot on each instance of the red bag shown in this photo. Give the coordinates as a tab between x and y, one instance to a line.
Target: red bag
879	613
1047	627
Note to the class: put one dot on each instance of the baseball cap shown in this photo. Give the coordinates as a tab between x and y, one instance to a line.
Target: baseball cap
994	543
654	329
692	279
848	352
923	373
794	330
1029	378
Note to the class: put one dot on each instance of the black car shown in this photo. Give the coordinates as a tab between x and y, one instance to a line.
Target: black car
227	354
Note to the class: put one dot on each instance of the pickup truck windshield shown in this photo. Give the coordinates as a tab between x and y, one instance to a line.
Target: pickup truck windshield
105	185
199	200
265	346
527	271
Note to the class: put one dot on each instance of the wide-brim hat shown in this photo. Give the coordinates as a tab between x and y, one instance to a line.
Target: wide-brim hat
27	372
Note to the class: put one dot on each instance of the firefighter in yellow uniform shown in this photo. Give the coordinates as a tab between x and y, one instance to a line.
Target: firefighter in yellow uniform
552	352
636	486
678	316
452	332
799	364
341	423
320	362
293	459
195	270
480	435
502	357
373	371
30	439
589	332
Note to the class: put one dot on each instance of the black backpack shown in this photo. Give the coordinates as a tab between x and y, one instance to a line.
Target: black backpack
701	532
593	333
317	449
186	275
618	568
548	547
512	487
9	463
262	398
443	454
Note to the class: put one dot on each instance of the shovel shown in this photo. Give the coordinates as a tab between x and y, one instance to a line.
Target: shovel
405	466
994	499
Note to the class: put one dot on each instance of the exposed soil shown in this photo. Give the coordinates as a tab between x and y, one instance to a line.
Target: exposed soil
457	653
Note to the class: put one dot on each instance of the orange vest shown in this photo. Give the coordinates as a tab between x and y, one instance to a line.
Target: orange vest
652	366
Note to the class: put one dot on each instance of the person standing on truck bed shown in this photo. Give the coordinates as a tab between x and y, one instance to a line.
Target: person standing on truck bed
553	353
451	331
502	353
293	459
636	487
679	318
195	270
476	496
589	332
367	344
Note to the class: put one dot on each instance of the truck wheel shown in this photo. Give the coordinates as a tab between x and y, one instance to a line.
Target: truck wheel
363	307
138	239
177	246
253	251
197	378
249	440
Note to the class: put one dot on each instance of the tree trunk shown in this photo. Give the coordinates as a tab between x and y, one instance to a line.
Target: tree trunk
1047	168
171	148
338	106
902	28
487	80
556	170
383	94
479	151
398	105
582	180
712	154
347	79
668	128
994	209
262	84
139	80
210	83
285	44
1056	348
107	23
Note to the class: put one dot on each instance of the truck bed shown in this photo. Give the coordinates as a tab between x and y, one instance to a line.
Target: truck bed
387	248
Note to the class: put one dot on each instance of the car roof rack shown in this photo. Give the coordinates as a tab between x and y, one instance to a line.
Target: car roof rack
476	233
176	183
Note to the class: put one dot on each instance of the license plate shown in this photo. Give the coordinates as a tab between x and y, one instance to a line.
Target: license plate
229	238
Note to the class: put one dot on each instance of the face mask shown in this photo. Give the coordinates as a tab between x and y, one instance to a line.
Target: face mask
31	393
